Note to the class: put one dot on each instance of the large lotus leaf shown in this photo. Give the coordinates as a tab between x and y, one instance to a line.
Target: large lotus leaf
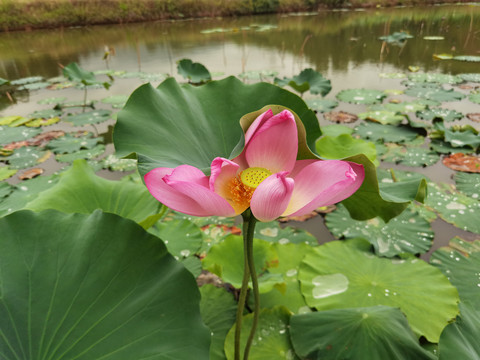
409	155
11	134
308	79
182	237
361	96
459	340
96	286
196	73
25	192
435	78
406	233
89	117
74	72
345	145
322	105
434	93
273	232
383	205
388	133
366	333
218	308
27	156
439	113
467	183
454	207
183	124
460	262
81	191
289	295
5	188
271	341
6	172
361	279
82	154
226	261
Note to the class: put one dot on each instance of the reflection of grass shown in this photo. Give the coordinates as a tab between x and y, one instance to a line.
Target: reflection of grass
27	14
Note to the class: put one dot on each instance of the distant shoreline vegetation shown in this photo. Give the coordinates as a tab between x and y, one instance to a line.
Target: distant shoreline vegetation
36	14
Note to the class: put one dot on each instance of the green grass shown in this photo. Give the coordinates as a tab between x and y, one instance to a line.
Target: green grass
31	14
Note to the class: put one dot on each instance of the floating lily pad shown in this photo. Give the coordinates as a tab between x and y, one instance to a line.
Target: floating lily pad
81	191
388	133
13	119
9	134
434	93
409	155
454	207
272	339
26	157
382	117
258	75
196	73
460	263
439	113
116	101
435	78
82	154
459	340
115	163
6	172
361	279
182	237
89	117
308	79
322	105
218	308
52	100
272	232
397	38
401	107
72	143
98	294
462	162
457	136
343	146
406	233
340	117
443	147
26	80
25	192
469	184
433	38
226	261
35	86
475	77
335	130
372	333
474	97
42	122
5	188
413	68
469	58
361	96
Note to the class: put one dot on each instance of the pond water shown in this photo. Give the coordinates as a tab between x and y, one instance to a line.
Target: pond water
342	45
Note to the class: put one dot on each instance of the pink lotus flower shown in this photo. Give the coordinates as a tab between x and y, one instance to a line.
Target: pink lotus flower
266	177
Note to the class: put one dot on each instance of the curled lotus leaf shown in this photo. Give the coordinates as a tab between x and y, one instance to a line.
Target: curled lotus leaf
196	73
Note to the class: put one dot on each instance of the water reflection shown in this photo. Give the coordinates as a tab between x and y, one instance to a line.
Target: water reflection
331	42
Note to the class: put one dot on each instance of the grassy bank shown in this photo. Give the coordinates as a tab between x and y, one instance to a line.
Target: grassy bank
32	14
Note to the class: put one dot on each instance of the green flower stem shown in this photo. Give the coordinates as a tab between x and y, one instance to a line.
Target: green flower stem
244	289
256	293
249	222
